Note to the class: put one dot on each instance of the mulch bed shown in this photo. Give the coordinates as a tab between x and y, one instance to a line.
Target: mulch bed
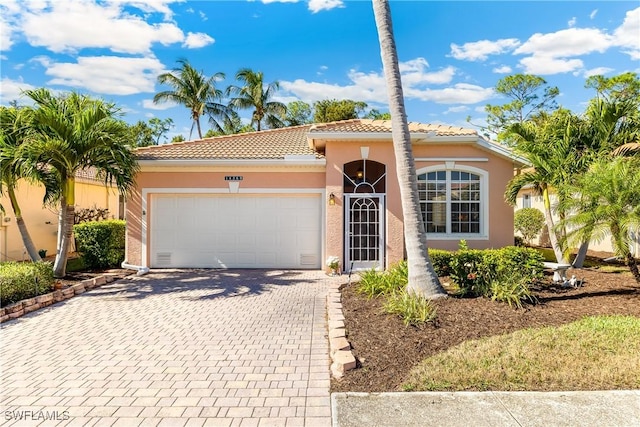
386	350
78	276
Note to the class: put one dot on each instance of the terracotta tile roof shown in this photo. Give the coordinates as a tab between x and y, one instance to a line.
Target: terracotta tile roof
277	143
266	144
370	126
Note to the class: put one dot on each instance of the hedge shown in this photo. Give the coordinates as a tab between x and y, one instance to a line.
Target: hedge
22	280
101	243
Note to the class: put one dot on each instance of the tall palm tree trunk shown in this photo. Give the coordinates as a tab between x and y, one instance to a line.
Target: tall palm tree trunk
423	280
553	236
60	265
22	227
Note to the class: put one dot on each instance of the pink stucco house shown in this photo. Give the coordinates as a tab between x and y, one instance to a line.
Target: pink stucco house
292	197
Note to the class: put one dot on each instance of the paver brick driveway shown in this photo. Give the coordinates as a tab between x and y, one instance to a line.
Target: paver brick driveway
175	348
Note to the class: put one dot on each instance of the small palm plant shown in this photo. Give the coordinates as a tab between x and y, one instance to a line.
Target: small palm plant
607	202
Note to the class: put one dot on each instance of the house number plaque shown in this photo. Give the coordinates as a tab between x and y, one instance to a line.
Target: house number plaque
233	178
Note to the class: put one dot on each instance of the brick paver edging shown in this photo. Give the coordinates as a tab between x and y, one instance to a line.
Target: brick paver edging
339	347
20	308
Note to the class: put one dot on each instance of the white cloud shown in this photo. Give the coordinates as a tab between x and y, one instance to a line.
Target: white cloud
460	93
318	5
107	74
151	6
597	71
458	109
503	69
197	40
593	13
544	65
554	53
480	50
8	19
371	87
572	22
11	90
565	43
203	16
150	105
414	72
627	34
69	26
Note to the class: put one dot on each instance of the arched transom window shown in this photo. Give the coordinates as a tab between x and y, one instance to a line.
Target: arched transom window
453	203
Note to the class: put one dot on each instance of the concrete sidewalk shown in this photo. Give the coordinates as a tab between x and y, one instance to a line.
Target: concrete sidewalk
463	409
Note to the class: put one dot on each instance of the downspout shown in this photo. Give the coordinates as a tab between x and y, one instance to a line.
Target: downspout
140	269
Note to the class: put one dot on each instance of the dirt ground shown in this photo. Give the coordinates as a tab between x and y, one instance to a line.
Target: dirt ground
386	350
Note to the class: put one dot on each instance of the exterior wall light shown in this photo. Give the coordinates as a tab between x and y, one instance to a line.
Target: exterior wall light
332	199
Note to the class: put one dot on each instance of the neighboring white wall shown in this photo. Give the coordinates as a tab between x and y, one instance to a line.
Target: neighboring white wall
542	240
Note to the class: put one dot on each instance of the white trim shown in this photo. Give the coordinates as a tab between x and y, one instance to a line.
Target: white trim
454	159
146	192
484	203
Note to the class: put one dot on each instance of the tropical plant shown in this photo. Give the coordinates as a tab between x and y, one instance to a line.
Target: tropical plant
230	126
298	113
255	94
195	91
14	126
72	132
530	95
528	222
423	280
607	202
552	145
333	110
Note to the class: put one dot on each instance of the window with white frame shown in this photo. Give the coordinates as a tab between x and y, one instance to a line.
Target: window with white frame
453	202
526	200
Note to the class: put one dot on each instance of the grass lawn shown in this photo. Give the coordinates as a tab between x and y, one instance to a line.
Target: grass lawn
599	352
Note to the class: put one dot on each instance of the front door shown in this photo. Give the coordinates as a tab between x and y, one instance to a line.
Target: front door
364	231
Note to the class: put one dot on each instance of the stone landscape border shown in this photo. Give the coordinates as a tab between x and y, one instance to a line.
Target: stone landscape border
20	308
339	348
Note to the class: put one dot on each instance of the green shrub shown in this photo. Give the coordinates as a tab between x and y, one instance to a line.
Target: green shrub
474	271
441	261
22	280
374	283
512	289
466	268
413	309
528	222
101	243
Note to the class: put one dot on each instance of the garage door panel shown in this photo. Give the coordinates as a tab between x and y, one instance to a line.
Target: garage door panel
236	231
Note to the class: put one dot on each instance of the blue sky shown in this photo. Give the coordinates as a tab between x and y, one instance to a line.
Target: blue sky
451	53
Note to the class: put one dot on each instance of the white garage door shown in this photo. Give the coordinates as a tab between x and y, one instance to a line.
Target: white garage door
235	231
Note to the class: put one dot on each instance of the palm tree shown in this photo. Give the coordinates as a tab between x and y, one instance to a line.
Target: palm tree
255	95
14	125
607	201
422	280
196	92
610	127
74	132
550	143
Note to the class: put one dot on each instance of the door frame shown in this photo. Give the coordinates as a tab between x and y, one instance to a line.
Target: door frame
381	208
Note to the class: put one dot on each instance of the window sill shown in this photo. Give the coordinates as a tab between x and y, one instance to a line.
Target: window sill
461	236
